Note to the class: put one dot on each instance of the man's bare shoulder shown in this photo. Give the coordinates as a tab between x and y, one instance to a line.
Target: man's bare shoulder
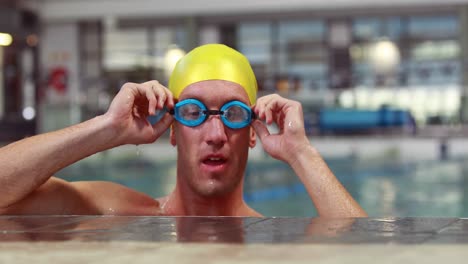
58	196
116	199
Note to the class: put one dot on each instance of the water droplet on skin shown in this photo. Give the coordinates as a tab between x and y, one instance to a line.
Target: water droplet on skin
162	208
290	124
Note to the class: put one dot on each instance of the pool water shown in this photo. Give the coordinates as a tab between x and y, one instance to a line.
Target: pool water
383	187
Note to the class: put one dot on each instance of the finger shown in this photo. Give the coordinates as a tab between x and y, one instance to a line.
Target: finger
260	129
268	116
279	119
265	107
164	95
161	126
151	103
259	109
158	90
161	97
270	112
169	98
146	91
280	108
126	94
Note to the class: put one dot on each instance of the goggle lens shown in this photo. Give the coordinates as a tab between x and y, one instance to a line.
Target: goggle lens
236	114
190	112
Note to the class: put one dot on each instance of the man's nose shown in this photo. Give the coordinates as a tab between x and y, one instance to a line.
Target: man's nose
216	131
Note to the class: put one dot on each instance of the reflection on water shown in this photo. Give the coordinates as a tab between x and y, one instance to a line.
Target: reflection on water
382	187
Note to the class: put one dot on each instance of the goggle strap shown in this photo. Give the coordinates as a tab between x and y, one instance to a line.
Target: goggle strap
254	116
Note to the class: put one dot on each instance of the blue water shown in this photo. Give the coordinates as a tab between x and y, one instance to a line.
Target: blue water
383	187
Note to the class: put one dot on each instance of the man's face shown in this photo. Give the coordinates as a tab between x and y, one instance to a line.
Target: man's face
212	157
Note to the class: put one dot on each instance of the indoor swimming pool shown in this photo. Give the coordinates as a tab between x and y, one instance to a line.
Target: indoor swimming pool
383	186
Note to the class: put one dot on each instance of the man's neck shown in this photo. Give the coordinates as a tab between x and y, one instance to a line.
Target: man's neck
188	203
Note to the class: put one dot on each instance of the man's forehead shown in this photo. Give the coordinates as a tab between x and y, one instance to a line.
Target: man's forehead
219	88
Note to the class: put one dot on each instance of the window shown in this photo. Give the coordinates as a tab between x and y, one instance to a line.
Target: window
254	40
302	55
288	56
434	51
125	49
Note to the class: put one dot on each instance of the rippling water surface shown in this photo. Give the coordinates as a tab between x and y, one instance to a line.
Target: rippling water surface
383	187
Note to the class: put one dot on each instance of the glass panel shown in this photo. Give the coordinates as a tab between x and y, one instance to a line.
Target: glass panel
371	29
434	51
302	56
165	38
434	72
255	42
430	62
90	39
394	28
367	32
366	29
181	37
433	27
92	68
139	54
125	49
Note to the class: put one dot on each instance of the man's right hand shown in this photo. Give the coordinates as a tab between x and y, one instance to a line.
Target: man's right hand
130	108
26	186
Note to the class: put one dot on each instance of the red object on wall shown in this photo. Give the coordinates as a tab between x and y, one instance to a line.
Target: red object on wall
58	78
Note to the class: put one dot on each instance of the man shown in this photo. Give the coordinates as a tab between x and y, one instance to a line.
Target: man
215	90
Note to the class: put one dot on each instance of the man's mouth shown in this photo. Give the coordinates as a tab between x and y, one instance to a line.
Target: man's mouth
214	161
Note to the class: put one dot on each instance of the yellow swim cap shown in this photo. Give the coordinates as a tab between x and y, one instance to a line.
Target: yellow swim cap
213	62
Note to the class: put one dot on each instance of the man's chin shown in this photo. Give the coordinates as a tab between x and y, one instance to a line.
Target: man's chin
213	189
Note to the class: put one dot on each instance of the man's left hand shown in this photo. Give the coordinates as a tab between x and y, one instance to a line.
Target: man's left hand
287	114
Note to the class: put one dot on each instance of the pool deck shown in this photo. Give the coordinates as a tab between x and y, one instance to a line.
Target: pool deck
122	239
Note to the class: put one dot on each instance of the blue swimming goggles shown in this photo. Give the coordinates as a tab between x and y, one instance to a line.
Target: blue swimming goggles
192	113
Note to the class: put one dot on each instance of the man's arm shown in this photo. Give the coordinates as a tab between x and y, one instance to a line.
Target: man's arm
292	146
328	194
29	163
60	197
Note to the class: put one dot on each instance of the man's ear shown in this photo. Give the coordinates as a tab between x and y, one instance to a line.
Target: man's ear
172	137
253	138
